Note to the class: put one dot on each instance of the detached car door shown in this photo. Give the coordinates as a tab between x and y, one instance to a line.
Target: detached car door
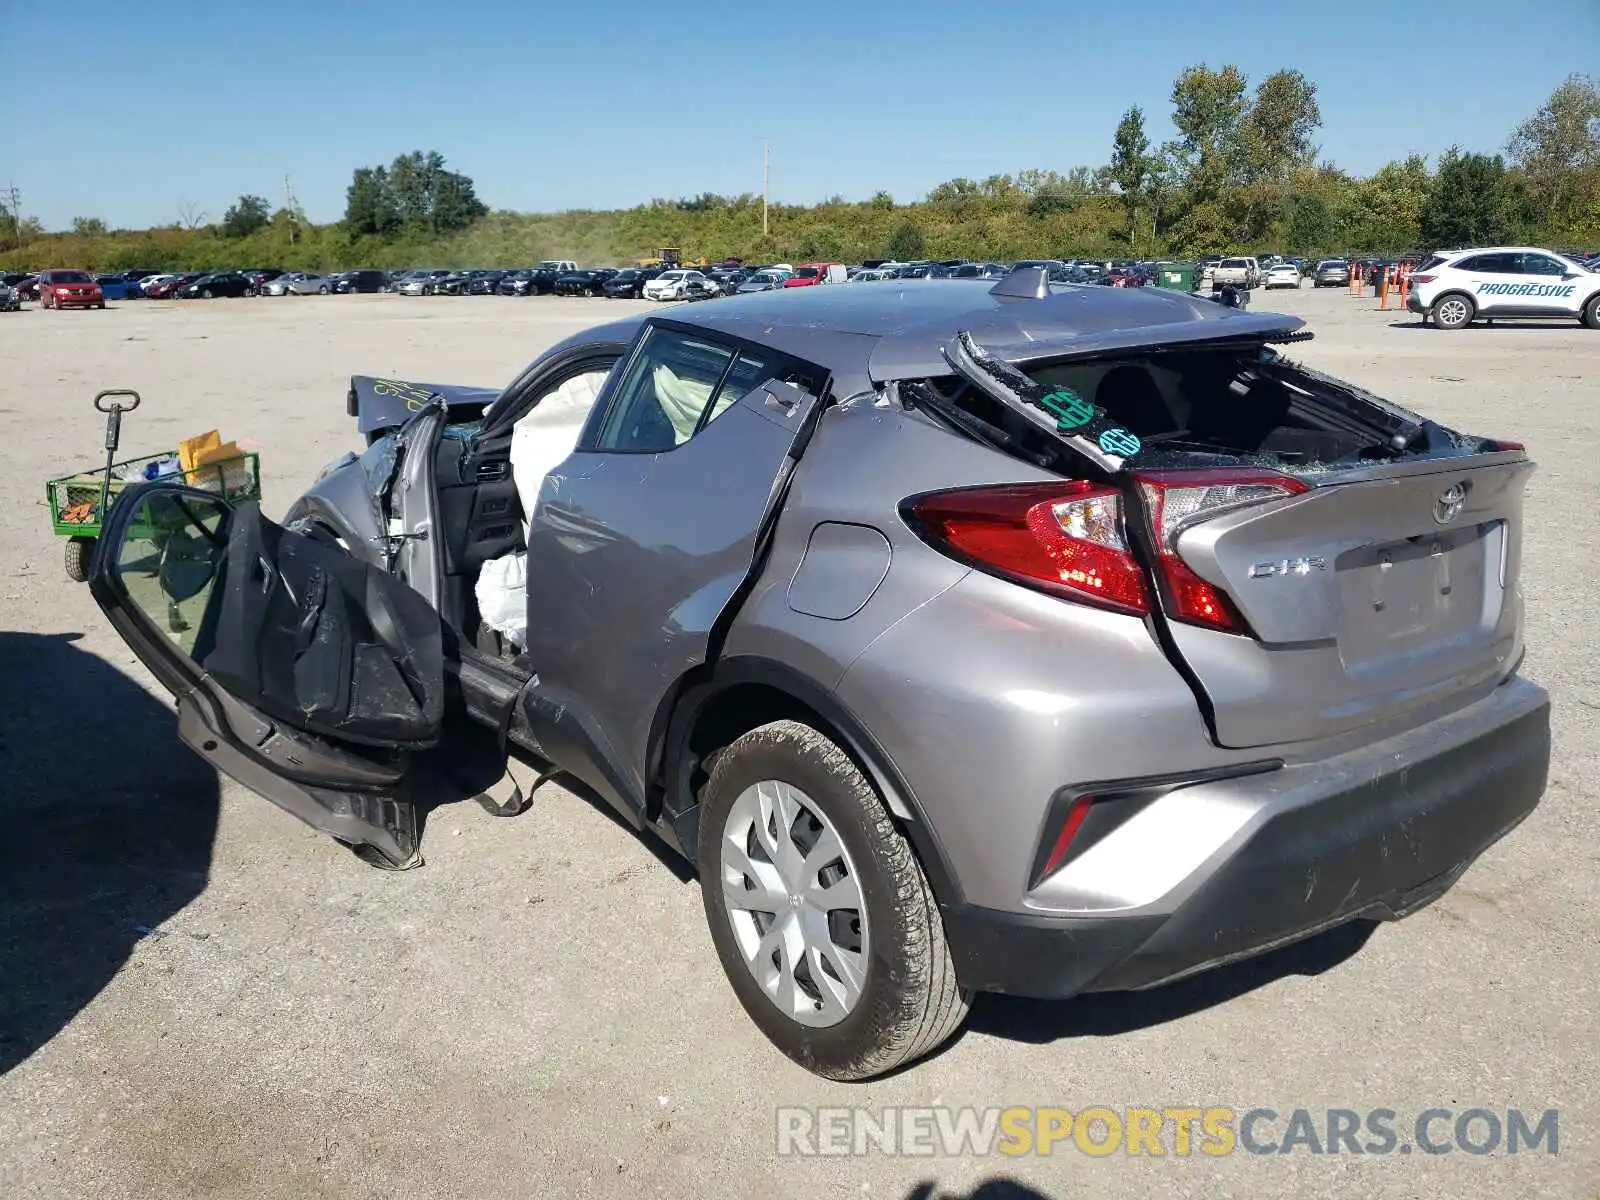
646	533
301	672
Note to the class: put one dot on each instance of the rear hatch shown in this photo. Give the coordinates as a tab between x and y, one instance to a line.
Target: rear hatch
1371	594
1313	558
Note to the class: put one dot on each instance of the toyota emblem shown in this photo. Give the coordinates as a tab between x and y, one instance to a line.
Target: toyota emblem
1449	504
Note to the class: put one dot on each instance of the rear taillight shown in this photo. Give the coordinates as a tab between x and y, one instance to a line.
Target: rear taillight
1178	500
1068	538
1423	278
1065	538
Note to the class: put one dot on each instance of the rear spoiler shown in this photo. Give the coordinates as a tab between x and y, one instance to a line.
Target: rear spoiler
380	404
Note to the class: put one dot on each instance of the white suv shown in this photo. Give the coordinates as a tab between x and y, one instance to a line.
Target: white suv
1461	286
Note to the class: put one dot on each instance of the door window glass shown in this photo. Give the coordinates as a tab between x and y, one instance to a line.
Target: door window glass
747	374
1541	264
667	388
171	561
1499	264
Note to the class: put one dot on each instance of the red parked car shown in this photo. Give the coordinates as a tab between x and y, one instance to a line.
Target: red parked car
69	289
807	275
169	289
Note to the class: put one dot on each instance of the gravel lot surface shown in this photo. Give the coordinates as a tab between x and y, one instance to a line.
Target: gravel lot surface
539	1011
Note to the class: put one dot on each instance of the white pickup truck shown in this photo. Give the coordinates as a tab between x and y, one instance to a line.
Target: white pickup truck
1234	272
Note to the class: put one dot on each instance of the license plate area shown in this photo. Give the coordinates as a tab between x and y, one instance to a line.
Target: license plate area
1433	592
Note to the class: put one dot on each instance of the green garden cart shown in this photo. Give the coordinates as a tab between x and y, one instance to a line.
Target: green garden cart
80	501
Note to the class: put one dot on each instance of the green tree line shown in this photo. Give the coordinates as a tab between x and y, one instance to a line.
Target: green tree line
1243	174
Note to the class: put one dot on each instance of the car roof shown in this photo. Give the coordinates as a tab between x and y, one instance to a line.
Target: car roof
900	332
1500	250
873	335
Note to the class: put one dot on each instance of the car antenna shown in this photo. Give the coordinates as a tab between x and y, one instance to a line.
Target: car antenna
1024	283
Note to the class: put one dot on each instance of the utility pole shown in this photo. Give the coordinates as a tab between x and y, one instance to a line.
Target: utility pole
766	183
289	207
11	200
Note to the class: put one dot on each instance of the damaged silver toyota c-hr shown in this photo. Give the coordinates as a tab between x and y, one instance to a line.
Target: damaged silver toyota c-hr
1018	638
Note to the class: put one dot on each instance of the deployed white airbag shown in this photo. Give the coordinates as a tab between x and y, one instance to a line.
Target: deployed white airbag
540	442
543	439
683	400
502	591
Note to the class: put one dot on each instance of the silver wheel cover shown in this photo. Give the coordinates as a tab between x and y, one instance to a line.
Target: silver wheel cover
794	903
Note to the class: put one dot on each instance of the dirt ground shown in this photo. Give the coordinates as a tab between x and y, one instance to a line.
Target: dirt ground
201	998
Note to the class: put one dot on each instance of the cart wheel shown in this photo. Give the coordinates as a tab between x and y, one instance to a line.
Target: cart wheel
80	553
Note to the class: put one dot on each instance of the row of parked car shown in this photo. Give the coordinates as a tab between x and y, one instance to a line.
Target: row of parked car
733	277
63	288
666	282
1268	271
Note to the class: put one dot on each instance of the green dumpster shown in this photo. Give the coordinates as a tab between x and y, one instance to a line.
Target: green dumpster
1177	276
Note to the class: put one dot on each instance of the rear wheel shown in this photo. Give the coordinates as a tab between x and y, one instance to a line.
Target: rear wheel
1454	311
819	911
1591	312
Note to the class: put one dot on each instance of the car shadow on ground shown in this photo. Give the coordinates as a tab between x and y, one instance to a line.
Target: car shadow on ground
1480	325
998	1188
1108	1014
106	827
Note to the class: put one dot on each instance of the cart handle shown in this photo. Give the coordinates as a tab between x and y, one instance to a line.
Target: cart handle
114	406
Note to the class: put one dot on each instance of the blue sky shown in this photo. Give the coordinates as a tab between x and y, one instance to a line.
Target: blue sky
607	103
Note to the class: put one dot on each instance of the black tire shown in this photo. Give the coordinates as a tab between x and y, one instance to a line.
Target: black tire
1591	312
1453	310
910	1002
79	557
323	290
205	294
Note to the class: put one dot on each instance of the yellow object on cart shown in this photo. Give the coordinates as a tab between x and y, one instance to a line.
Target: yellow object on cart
230	469
190	449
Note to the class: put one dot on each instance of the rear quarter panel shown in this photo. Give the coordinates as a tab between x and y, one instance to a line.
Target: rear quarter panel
984	696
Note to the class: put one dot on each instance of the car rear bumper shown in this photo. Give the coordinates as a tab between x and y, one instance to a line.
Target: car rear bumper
1415	304
1375	833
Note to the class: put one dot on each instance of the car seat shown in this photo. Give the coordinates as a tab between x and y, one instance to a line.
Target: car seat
1129	394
